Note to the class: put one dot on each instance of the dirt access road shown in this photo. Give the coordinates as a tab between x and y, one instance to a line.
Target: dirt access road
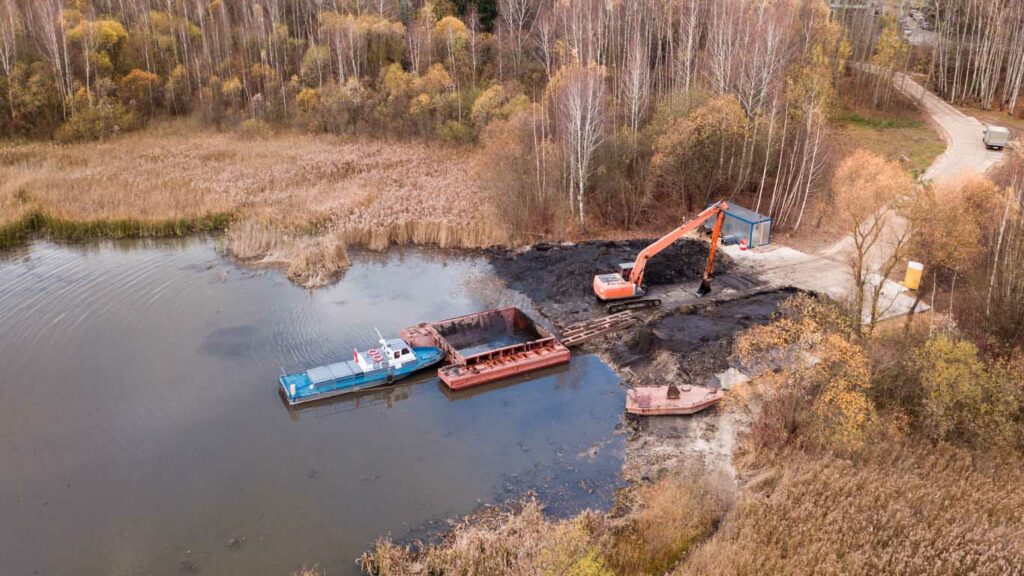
965	152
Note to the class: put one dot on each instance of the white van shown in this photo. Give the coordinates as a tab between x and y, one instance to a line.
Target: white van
996	137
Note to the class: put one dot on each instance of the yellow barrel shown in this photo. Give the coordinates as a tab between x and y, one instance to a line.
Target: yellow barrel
913	278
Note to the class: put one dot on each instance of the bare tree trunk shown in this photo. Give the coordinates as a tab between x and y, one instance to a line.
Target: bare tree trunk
767	155
9	48
579	106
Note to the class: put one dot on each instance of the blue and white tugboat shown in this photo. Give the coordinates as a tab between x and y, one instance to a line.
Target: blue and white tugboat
393	360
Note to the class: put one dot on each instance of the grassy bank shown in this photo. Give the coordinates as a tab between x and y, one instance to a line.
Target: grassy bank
37	222
903	134
283	198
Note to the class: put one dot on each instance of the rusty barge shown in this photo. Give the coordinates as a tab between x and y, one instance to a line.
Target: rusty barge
488	346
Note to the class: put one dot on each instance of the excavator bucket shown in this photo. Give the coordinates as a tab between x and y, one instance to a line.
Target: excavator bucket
716	233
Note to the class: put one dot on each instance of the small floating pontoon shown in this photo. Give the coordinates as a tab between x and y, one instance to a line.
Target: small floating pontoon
395	359
670	400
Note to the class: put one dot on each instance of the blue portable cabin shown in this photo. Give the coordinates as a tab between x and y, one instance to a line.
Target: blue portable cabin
742	223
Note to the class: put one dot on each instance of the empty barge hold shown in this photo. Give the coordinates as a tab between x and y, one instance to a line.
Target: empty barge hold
670	400
488	346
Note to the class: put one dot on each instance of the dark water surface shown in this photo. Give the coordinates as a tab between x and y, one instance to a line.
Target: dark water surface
141	430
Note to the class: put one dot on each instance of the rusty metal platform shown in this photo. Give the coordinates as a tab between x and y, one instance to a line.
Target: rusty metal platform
488	346
658	401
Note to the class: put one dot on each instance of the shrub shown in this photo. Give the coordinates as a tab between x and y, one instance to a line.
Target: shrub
623	187
254	128
820	396
336	109
801	321
965	399
520	173
455	132
140	90
670	518
106	119
316	69
838	383
496	103
177	92
688	159
499	543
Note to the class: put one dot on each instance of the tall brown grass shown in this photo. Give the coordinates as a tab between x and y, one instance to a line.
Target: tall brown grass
670	518
307	190
665	521
309	260
900	509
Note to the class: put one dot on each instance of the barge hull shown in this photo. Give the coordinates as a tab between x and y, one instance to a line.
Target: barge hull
325	395
536	348
656	400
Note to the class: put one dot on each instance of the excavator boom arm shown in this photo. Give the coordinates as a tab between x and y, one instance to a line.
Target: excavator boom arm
718	209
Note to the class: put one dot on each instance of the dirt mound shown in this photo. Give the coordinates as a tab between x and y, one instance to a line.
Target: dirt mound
549	272
699	339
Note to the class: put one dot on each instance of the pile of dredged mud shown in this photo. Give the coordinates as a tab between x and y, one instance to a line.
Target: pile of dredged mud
563	274
698	338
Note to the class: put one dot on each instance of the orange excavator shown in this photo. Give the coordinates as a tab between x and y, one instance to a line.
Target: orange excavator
628	282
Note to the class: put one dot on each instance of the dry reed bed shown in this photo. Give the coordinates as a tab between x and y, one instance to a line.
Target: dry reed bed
666	519
314	194
902	510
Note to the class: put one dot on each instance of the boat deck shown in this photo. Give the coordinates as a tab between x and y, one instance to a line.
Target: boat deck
656	400
332	372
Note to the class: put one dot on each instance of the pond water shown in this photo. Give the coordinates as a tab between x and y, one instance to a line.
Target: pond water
141	429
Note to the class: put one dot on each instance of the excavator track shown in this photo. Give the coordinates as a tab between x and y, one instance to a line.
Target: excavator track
634	305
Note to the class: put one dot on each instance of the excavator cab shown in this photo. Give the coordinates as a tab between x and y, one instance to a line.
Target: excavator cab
616	286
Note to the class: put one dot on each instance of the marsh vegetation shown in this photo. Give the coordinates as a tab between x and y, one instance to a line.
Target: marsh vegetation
294	199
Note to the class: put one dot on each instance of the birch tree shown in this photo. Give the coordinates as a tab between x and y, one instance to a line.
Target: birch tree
517	18
577	96
635	71
584	30
979	55
690	15
9	48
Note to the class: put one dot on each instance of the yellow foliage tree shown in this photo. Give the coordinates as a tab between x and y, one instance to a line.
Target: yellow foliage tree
139	89
838	382
891	53
821	391
688	157
867	189
496	103
965	399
